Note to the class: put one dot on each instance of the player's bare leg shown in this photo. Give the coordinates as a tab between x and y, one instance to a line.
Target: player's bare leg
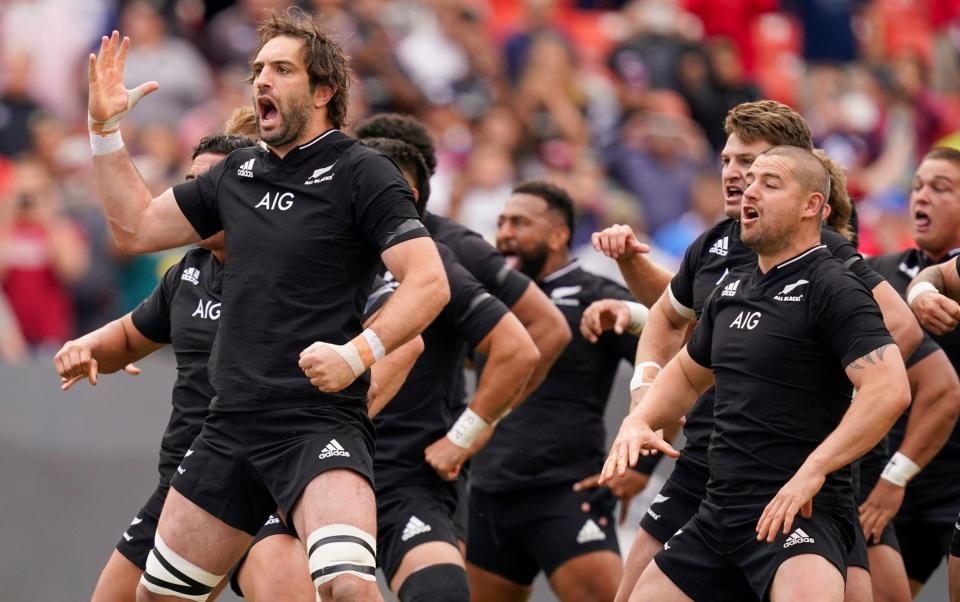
954	572
655	585
642	551
807	578
858	588
490	587
888	575
592	577
276	569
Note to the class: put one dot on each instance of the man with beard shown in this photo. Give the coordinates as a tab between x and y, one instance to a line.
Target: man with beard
308	220
931	500
525	513
751	128
778	432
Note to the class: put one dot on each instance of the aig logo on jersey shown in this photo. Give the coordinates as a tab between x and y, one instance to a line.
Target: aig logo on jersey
246	170
785	295
279	201
207	310
746	320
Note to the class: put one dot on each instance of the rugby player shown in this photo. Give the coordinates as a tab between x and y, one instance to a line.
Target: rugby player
525	514
751	129
780	433
308	219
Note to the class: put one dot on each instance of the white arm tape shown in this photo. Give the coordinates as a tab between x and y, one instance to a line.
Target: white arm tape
350	355
899	470
920	289
639	372
467	428
638	317
376	345
680	308
104	145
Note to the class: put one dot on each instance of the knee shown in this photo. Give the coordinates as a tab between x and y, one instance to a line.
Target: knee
348	588
440	582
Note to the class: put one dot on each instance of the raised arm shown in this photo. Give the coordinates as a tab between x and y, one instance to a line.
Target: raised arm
898	319
883	393
933	295
645	279
547	327
139	222
107	349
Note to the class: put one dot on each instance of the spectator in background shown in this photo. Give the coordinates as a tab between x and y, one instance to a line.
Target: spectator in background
732	20
231	35
484	189
16	103
180	69
675	237
41	253
539	18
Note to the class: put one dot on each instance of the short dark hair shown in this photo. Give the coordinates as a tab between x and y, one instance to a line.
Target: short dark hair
768	120
326	64
221	144
944	153
409	160
556	198
401	127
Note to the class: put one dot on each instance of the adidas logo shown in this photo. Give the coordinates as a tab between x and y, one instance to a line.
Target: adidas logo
414	527
590	532
317	176
798	536
731	289
272	520
191	275
246	170
721	247
333	449
785	295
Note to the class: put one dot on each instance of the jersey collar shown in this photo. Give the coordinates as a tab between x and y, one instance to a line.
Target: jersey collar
570	267
793	263
295	152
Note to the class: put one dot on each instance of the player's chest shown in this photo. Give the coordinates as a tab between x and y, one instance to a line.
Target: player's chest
194	316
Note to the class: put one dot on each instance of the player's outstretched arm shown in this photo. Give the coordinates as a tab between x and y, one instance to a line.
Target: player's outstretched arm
670	397
547	327
139	223
883	393
662	338
511	357
389	374
933	295
645	279
107	349
898	318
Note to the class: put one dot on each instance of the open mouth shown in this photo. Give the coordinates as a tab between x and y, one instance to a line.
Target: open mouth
512	260
748	215
921	220
267	111
732	194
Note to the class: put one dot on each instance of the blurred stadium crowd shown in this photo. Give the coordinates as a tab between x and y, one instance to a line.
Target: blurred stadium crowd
620	102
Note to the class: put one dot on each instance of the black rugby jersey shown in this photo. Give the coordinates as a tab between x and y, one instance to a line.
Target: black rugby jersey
184	310
708	259
304	235
424	409
778	344
557	435
935	491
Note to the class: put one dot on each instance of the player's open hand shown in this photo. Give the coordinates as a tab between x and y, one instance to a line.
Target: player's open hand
625	488
881	506
618	242
604	315
634	439
74	362
795	496
446	457
325	368
109	99
937	313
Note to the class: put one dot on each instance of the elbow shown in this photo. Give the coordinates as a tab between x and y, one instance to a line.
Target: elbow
899	394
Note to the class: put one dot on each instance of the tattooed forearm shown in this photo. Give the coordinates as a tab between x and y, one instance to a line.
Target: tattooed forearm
931	274
872	358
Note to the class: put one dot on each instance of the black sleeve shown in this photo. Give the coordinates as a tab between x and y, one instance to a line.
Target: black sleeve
843	249
382	202
847	316
483	261
382	290
623	345
700	346
956	264
152	316
472	310
198	200
681	285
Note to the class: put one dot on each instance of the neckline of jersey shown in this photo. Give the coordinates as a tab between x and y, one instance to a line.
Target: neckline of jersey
573	265
796	261
293	151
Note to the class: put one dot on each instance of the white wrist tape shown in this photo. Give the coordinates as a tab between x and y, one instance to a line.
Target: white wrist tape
108	126
920	289
467	428
641	378
638	317
376	345
104	145
350	355
899	470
